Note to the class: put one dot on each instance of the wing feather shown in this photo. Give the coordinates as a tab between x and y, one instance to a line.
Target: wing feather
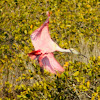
51	64
41	38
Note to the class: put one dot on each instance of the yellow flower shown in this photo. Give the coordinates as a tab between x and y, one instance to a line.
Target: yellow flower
98	57
88	6
66	64
31	26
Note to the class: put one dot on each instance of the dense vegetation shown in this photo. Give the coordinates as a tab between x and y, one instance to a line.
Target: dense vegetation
73	24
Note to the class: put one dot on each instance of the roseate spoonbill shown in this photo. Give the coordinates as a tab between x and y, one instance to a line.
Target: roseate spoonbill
44	48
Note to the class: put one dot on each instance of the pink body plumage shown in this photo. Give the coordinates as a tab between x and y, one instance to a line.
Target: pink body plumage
44	48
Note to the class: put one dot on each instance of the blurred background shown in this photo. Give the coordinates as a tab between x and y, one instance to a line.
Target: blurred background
73	24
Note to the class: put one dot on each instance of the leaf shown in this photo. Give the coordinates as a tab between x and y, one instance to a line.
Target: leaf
76	73
25	31
77	78
62	75
88	84
45	85
93	96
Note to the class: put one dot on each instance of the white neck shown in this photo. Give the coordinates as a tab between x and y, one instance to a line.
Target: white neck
67	50
64	50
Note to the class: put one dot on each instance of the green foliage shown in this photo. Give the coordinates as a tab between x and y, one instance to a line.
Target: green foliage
73	23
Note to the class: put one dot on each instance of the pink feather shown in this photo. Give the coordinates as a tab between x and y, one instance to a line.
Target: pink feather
44	46
41	38
50	63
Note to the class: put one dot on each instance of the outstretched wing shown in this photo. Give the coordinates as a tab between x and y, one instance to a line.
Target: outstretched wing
41	38
50	63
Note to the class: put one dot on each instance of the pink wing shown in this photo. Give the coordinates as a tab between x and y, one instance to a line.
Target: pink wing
41	38
50	63
34	54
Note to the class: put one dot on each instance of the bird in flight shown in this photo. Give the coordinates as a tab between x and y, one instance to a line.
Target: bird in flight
44	48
